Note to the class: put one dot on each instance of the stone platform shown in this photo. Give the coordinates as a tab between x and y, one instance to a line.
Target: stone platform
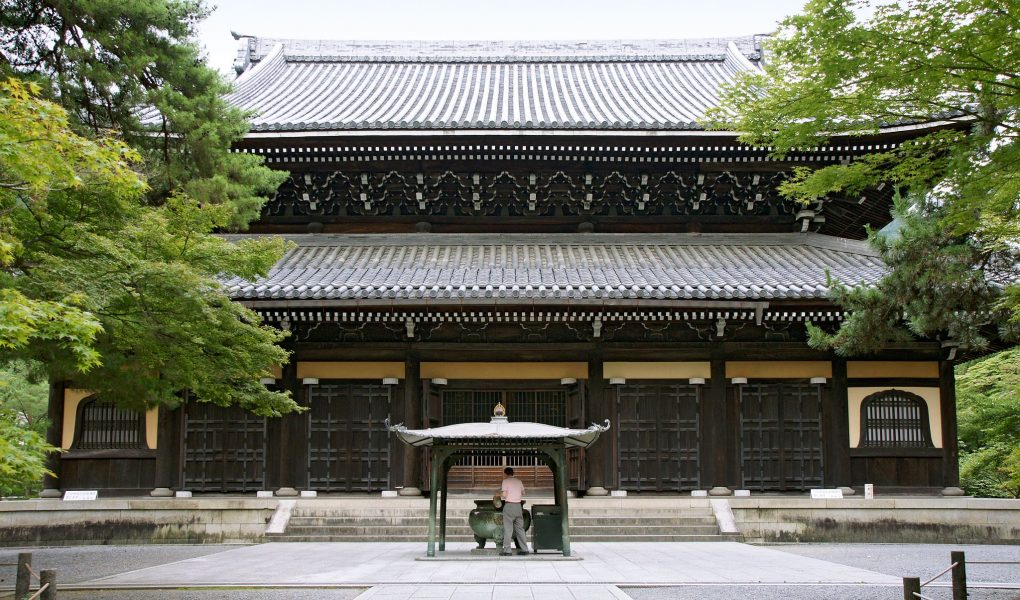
236	519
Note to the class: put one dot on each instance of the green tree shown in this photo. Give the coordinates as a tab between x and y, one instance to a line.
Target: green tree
115	168
23	404
849	69
988	395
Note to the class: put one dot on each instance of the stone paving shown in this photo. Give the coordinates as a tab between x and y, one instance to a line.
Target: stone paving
395	564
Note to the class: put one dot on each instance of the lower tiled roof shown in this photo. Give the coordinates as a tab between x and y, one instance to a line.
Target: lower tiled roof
573	268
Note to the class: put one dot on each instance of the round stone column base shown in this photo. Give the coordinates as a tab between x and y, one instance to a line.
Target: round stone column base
847	490
409	491
596	490
720	490
953	491
286	492
161	493
51	493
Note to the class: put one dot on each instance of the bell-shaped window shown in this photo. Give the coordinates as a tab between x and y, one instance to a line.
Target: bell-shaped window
895	419
103	425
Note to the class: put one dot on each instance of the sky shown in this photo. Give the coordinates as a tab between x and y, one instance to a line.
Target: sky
483	20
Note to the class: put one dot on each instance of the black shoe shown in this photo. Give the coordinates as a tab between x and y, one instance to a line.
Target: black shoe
522	552
505	553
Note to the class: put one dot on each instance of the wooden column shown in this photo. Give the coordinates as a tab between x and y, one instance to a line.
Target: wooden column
837	431
167	452
412	418
714	439
54	437
600	459
950	443
291	448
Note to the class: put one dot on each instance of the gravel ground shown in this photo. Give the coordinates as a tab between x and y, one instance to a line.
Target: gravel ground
900	560
81	563
218	594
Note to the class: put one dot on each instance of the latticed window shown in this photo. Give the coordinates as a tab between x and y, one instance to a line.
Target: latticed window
895	419
103	425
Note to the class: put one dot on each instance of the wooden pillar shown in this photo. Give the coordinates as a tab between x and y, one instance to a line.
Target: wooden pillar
715	440
167	452
291	446
837	439
54	437
600	459
950	443
411	456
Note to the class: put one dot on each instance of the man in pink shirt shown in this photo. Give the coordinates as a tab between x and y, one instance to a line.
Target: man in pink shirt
512	493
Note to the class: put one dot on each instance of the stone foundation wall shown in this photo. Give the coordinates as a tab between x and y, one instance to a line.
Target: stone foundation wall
882	520
134	521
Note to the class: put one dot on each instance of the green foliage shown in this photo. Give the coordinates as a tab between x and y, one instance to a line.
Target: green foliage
833	72
23	404
131	66
988	399
110	190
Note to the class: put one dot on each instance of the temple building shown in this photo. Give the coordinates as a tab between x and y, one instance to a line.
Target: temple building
544	225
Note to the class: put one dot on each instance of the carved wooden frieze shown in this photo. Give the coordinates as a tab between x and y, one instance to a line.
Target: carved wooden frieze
528	194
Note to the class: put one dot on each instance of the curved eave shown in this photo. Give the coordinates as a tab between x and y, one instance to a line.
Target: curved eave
423	438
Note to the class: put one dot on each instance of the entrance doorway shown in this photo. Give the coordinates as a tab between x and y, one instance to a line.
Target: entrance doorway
535	402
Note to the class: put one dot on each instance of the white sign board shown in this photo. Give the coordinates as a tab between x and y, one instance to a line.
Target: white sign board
699	493
182	494
836	494
742	493
81	494
869	491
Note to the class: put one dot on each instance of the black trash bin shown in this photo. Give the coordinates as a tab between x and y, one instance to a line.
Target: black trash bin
547	527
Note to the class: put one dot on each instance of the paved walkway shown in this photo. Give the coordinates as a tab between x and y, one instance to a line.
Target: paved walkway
393	564
495	592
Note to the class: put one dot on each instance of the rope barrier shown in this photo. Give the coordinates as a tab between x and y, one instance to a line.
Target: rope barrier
950	568
39	591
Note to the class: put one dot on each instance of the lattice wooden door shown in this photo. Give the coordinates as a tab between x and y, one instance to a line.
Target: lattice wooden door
658	436
224	449
781	436
348	445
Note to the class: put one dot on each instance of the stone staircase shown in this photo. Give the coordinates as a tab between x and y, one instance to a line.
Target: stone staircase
657	519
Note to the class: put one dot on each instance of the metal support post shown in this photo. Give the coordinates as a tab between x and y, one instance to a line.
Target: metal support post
48	580
959	574
445	477
437	463
911	586
561	492
23	580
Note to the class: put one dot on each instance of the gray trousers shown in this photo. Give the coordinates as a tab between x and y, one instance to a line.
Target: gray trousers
513	525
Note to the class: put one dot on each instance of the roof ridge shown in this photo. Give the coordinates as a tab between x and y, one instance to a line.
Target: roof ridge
258	47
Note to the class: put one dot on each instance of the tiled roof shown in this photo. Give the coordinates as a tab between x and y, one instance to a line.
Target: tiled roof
300	85
579	268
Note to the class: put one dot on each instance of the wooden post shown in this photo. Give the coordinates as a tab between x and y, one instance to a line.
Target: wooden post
714	450
23	580
599	462
950	446
958	558
911	586
163	480
292	464
54	437
838	446
411	477
48	578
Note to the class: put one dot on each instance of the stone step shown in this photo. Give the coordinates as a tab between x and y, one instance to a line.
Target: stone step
422	520
389	531
614	513
463	538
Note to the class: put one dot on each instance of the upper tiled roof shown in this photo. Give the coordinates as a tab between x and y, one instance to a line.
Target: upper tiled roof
301	85
579	268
